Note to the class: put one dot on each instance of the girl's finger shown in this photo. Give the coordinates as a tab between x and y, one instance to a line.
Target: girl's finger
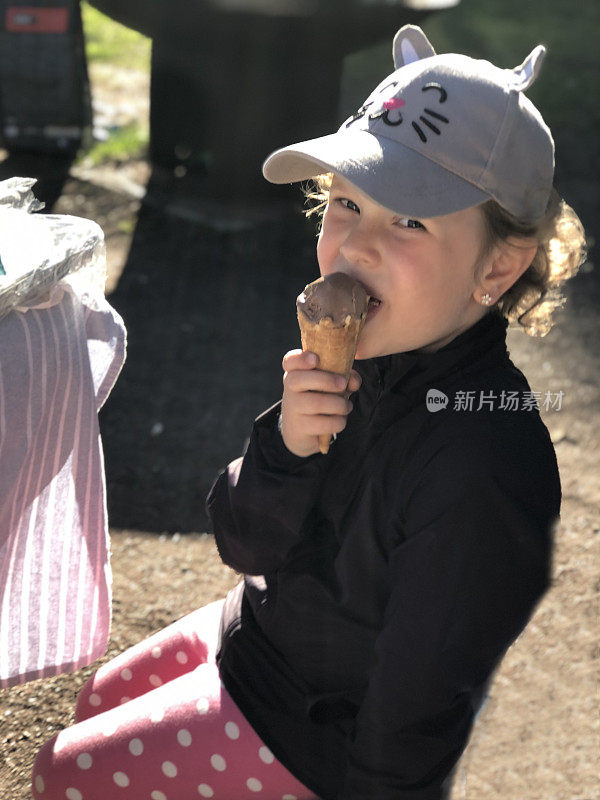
299	359
354	382
321	403
314	380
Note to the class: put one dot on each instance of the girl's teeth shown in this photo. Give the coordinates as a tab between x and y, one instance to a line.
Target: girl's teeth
373	301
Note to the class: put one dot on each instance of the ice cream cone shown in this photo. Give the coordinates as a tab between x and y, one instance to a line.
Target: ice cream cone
331	313
335	345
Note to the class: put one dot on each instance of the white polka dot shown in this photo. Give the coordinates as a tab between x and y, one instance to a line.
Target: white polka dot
73	794
124	700
205	790
156	795
218	762
182	657
39	783
155	680
254	784
266	755
94	700
156	652
136	747
157	714
202	705
169	769
184	738
126	674
289	797
232	730
84	761
121	779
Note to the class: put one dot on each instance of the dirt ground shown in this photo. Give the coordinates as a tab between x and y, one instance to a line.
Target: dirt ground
537	738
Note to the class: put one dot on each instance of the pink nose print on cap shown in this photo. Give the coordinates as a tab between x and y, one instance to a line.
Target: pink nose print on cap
395	102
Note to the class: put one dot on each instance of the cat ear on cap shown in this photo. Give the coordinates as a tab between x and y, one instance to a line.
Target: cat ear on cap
411	44
527	72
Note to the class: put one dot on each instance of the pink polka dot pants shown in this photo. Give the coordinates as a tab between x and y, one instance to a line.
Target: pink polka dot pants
156	723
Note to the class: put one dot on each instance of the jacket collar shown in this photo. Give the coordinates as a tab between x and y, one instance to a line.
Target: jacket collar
416	367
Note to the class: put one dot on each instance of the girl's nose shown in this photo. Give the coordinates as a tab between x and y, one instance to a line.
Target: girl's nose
360	247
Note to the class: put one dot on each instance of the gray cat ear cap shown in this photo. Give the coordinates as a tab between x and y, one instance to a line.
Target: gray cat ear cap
440	134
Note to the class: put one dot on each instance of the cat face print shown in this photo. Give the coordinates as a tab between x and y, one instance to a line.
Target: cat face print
393	110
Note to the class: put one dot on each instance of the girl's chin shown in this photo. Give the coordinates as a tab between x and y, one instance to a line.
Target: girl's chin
363	352
368	345
366	350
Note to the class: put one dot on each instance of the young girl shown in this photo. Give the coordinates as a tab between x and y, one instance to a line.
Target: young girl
384	581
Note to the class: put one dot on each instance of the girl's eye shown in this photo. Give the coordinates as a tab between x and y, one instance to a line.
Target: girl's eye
349	204
405	222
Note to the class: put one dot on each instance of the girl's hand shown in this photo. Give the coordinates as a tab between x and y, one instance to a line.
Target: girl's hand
314	402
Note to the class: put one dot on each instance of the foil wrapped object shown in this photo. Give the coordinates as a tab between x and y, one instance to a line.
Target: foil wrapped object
41	252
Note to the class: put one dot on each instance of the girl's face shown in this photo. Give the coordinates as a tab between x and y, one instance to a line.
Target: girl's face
423	272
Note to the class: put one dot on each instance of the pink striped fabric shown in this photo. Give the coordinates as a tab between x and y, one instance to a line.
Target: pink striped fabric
58	363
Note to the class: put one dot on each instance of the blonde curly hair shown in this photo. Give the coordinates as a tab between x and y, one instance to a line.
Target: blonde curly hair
533	298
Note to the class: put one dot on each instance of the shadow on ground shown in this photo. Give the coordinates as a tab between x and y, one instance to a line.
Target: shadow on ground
209	314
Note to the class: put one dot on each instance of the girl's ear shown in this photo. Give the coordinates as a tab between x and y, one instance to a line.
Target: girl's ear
411	44
509	260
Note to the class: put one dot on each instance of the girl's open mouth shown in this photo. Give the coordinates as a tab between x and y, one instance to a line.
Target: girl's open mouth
372	306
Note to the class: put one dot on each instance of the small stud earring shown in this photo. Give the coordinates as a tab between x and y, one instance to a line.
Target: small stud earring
486	299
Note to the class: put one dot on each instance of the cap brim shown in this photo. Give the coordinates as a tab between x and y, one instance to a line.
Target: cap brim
390	173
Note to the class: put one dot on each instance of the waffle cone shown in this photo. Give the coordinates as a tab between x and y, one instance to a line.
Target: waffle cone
336	347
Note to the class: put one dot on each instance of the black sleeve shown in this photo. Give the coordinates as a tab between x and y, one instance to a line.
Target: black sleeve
465	577
259	504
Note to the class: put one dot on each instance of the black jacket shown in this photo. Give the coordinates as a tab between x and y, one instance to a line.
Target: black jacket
390	575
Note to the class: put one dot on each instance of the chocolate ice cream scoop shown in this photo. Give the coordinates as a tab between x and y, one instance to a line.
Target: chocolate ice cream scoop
335	296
